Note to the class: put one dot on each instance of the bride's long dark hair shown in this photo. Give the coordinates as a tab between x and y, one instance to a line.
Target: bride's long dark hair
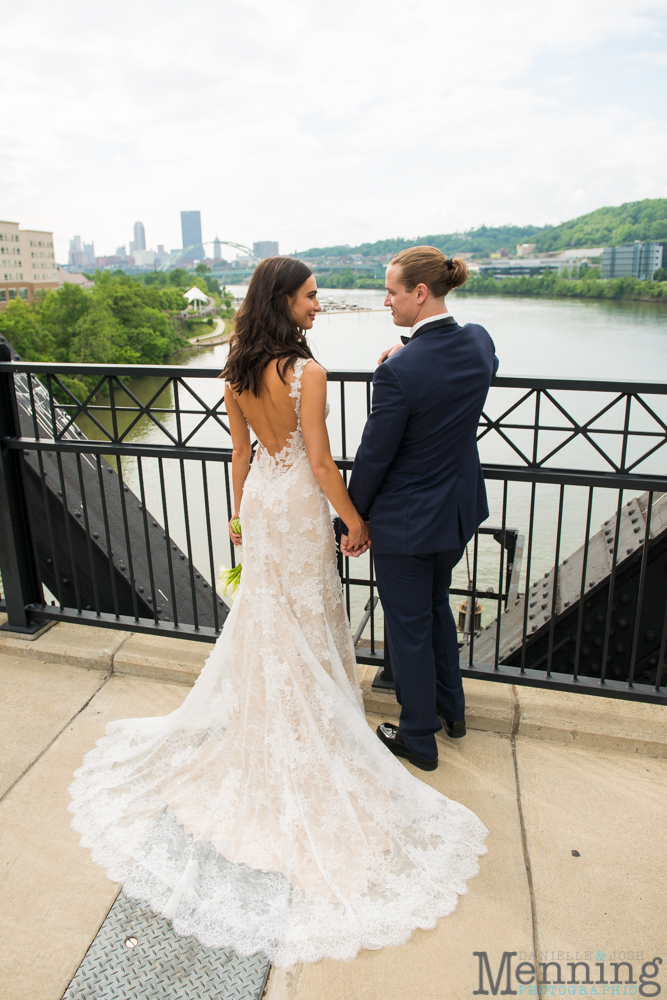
264	330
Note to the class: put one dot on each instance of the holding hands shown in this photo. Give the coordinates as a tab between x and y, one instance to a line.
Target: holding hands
357	541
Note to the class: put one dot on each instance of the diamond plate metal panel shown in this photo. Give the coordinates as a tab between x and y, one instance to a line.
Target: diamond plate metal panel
160	964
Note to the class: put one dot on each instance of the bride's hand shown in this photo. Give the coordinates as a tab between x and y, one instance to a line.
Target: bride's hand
389	351
356	542
236	538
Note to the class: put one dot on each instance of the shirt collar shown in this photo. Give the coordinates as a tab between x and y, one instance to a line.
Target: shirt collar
429	319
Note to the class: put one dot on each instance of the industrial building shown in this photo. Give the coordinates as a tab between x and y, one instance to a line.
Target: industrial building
633	260
527	267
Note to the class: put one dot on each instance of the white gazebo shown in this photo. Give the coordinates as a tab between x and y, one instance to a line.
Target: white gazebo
195	298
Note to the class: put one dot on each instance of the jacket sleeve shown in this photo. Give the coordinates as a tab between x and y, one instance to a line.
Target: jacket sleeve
381	438
495	359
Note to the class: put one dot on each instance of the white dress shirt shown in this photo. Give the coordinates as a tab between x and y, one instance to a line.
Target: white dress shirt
429	319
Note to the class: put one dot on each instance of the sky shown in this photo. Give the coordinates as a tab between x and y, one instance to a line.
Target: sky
316	123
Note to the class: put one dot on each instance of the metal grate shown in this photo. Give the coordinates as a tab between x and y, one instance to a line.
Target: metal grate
160	963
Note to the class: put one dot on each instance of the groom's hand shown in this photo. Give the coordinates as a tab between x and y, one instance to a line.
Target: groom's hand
360	546
347	550
389	351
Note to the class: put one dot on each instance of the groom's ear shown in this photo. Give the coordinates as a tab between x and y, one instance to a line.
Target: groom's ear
422	292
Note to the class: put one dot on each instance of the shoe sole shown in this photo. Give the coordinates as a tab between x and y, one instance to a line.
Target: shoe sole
398	751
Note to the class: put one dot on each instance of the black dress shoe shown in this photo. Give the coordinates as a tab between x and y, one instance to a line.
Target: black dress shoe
455	730
390	736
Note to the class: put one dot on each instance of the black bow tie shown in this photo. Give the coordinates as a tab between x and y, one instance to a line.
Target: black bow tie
447	321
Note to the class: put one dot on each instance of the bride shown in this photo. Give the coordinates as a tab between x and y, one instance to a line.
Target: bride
264	814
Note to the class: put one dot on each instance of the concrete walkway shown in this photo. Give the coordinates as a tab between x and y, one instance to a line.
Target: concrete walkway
218	336
549	774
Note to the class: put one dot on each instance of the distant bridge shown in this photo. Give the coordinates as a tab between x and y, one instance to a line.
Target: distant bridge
174	257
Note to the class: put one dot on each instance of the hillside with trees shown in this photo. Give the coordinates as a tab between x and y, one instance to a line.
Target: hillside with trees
635	220
482	241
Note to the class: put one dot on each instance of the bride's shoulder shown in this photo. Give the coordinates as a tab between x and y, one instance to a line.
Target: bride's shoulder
313	368
312	373
314	387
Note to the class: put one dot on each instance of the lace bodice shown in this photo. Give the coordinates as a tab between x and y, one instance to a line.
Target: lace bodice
264	814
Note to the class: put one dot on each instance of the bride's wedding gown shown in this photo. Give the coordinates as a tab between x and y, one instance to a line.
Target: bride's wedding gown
264	814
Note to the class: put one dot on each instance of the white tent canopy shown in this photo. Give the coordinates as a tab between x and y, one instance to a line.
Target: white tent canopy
195	295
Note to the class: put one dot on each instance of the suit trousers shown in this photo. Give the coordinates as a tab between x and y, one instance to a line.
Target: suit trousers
423	644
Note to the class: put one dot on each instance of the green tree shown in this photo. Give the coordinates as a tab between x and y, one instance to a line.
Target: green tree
660	274
119	321
179	277
200	283
158	278
213	285
20	325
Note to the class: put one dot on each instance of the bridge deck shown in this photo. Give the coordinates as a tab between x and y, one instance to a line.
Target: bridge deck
548	772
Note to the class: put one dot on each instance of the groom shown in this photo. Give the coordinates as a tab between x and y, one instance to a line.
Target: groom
418	479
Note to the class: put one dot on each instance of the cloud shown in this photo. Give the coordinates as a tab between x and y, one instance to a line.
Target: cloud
315	123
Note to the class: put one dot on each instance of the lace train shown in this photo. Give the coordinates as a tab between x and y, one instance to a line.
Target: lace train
264	814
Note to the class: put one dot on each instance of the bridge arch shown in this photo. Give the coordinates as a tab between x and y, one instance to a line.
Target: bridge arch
177	255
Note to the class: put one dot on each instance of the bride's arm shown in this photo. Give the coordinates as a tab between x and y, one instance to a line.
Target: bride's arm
241	452
316	439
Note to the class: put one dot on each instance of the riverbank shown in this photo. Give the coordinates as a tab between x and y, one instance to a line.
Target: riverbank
547	286
551	286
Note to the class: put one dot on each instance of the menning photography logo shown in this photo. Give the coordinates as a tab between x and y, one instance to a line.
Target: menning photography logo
596	976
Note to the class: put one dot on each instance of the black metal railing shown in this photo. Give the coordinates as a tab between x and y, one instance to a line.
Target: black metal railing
115	495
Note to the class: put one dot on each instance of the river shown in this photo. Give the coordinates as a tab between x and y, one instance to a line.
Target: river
557	338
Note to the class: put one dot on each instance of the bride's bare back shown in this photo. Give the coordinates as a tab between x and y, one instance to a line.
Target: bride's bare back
273	417
272	414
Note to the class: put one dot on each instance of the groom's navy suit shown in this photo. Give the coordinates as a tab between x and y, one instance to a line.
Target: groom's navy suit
418	479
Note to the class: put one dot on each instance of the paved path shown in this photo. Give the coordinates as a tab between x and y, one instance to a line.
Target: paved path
542	795
218	331
219	336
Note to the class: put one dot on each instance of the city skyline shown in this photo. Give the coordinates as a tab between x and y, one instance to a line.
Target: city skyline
314	130
82	254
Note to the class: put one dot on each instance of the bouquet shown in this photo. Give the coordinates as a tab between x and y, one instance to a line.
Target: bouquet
230	579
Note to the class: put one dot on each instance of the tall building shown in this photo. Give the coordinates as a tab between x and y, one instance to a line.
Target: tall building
633	260
81	256
139	236
75	251
217	249
27	262
191	232
266	248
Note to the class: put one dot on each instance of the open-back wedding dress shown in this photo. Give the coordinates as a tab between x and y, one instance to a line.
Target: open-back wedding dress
264	814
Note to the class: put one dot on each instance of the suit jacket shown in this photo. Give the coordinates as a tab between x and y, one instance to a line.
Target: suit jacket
417	475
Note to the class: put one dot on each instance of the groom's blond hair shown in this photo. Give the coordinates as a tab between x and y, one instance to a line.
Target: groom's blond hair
430	267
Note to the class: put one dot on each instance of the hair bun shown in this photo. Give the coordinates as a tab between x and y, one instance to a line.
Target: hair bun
429	266
458	272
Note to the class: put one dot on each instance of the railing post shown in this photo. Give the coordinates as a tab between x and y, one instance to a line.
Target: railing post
384	678
20	577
